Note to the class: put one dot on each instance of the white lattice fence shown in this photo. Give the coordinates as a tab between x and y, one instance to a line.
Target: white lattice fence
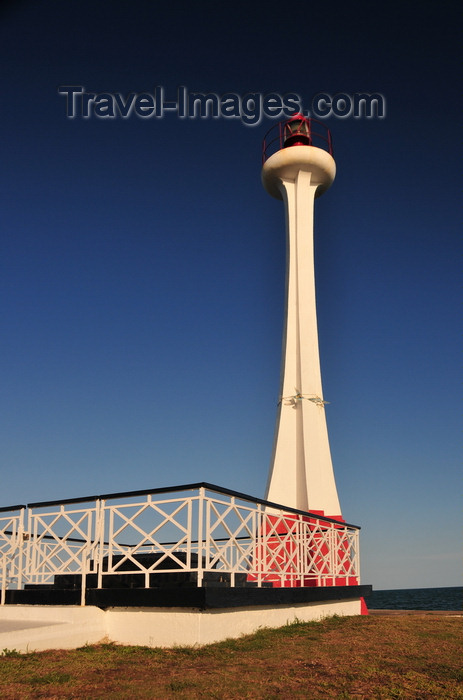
11	551
201	530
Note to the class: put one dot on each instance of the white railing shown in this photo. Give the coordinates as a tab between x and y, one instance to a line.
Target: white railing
11	549
209	533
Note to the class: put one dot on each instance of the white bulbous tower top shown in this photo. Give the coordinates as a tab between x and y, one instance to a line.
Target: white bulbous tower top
298	144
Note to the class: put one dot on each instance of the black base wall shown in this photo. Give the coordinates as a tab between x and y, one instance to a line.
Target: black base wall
202	598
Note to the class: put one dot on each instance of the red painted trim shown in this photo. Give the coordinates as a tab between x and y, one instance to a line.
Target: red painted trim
276	527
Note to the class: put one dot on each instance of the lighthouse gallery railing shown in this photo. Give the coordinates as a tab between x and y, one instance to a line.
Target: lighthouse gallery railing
197	528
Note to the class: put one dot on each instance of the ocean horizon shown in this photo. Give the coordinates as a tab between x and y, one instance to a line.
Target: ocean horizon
444	598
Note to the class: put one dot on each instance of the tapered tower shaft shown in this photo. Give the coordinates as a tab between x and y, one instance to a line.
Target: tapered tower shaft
301	473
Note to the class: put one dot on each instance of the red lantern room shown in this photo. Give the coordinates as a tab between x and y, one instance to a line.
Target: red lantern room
297	132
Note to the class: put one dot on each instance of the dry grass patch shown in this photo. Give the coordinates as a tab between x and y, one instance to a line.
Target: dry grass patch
365	658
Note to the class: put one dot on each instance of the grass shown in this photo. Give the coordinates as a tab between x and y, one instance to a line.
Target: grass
399	658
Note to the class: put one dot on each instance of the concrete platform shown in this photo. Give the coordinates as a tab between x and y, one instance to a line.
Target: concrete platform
28	628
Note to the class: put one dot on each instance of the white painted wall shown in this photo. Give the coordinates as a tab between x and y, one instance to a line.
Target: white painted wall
27	628
37	627
167	628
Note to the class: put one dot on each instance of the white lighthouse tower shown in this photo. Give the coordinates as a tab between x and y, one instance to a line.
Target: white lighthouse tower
297	171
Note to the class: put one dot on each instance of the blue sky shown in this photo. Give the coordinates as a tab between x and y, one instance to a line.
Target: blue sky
142	263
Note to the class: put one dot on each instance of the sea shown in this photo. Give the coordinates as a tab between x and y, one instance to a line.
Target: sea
417	599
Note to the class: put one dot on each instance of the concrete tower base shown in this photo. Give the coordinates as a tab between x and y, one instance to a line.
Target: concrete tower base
28	628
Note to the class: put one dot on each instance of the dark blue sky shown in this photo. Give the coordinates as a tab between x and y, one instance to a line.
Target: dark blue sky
142	263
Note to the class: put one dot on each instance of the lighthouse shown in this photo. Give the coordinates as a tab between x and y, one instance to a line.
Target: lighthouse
198	548
298	166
